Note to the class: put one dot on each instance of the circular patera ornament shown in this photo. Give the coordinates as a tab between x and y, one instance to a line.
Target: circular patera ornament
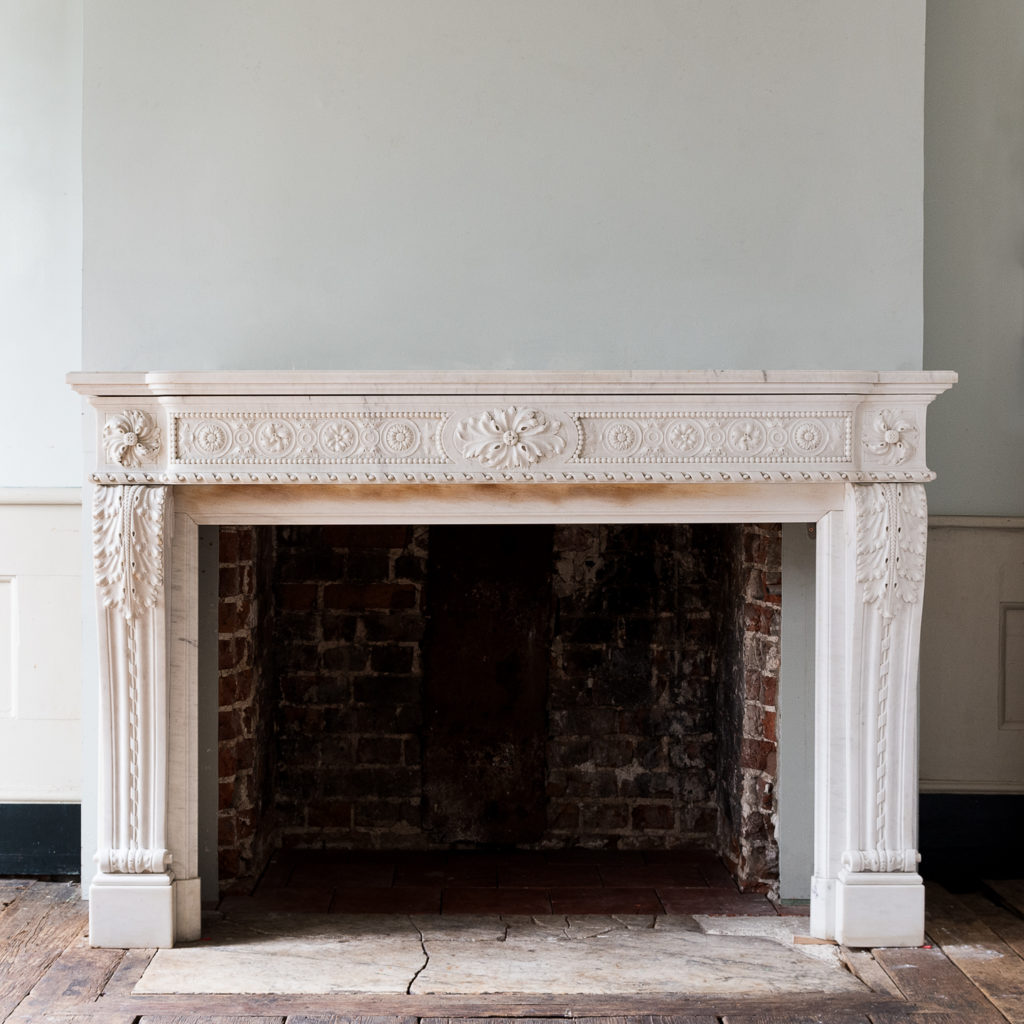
685	437
338	437
746	437
275	438
808	437
622	438
400	437
211	438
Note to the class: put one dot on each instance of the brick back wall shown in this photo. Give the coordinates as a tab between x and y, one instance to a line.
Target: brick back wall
631	744
246	748
347	659
635	681
750	609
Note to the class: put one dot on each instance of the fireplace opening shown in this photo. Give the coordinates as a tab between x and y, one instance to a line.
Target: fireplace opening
494	688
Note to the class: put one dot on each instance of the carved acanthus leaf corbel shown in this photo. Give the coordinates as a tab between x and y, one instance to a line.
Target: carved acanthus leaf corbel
892	535
128	555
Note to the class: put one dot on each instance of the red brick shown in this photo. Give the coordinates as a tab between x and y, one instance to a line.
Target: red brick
245	543
226	653
228	546
563	817
598	818
225	830
653	816
227	689
379	750
330	814
228	582
297	596
345	596
226	764
376	536
227	863
759	755
225	794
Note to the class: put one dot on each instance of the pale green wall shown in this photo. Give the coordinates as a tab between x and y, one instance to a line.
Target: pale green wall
974	253
40	241
587	184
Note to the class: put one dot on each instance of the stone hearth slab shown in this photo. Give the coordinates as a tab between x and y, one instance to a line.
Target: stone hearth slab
638	954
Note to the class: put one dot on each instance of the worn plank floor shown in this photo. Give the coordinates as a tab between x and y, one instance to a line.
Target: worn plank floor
972	973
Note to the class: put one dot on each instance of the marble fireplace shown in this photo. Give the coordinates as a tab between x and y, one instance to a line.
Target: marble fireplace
843	450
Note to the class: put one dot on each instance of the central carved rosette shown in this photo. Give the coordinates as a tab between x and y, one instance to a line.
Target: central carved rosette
511	438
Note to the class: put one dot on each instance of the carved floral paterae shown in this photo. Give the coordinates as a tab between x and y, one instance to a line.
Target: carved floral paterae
891	436
775	437
131	436
509	438
303	438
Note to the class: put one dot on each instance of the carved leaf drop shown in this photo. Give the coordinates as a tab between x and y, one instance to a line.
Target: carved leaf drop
892	532
128	551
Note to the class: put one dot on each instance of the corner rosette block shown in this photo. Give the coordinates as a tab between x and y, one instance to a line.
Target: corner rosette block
891	437
130	437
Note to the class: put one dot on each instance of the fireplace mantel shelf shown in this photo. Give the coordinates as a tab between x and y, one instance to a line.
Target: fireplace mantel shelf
845	450
704	427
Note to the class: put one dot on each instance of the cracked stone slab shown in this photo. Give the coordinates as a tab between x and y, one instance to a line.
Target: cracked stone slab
555	954
291	954
460	927
779	929
533	960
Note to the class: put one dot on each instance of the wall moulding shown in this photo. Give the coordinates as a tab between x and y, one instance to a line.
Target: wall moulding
843	450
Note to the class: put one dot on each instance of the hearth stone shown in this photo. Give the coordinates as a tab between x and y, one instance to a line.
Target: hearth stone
842	450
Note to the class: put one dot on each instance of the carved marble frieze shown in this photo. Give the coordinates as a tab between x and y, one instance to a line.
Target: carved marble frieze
294	437
719	428
750	436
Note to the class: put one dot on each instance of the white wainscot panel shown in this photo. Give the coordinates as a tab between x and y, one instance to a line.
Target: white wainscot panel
40	656
8	645
972	657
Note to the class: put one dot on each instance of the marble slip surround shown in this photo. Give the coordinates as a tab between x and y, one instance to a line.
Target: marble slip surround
842	450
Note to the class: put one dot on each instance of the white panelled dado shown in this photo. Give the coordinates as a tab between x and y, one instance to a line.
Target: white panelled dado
972	657
844	450
40	639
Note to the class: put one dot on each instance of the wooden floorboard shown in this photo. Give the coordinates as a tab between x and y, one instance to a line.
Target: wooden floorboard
1010	893
931	982
1005	923
973	975
35	930
194	1019
824	1017
990	964
76	977
920	1017
862	965
642	1019
333	1018
497	1005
